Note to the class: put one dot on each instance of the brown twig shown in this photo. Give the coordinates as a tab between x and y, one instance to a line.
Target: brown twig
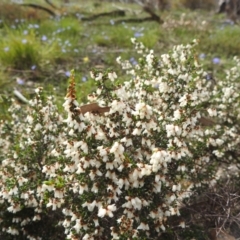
115	13
38	7
51	4
153	15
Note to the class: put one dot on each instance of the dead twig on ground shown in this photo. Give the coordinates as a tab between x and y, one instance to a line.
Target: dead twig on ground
51	4
115	13
32	5
153	17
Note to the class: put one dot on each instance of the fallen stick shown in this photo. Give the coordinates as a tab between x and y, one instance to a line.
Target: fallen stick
153	17
51	4
115	13
38	7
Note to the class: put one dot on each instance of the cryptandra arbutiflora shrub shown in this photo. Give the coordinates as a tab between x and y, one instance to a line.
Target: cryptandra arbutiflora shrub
26	145
224	136
118	173
138	160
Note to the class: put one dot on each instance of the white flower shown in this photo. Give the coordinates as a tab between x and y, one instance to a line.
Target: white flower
182	224
58	193
84	147
117	148
87	237
165	59
13	191
30	119
107	211
182	168
167	213
82	188
102	212
163	227
38	90
133	40
112	76
183	100
78	225
118	60
172	198
149	58
218	153
143	226
90	206
22	180
117	106
177	114
219	142
163	87
228	92
38	127
96	223
99	77
15	208
212	112
143	110
183	58
170	128
136	203
37	217
13	231
178	130
174	188
172	71
137	131
52	204
98	91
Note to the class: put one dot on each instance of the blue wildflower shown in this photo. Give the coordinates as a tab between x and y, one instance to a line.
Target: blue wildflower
84	78
216	60
112	22
67	74
44	38
133	61
20	81
202	55
138	34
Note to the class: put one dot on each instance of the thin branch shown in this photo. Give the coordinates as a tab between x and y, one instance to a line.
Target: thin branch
38	7
115	13
51	4
153	15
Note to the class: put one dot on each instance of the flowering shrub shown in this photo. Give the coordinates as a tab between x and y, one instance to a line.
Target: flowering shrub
119	170
137	161
26	144
224	137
